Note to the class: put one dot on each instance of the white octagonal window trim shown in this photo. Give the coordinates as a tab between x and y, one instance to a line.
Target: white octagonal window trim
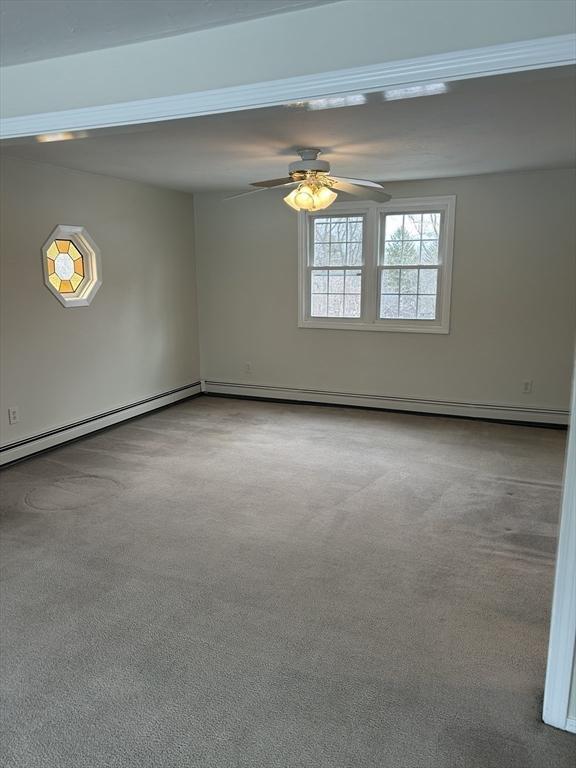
72	266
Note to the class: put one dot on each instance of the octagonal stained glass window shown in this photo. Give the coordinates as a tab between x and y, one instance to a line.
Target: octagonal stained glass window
65	266
71	261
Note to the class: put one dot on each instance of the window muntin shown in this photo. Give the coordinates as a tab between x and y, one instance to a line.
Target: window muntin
336	266
409	264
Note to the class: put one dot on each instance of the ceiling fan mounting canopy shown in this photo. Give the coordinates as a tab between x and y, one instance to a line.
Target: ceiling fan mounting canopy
309	163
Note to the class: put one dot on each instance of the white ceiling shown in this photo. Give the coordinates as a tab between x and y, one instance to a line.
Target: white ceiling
505	123
31	30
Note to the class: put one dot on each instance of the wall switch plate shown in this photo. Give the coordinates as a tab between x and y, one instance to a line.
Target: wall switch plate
527	387
13	415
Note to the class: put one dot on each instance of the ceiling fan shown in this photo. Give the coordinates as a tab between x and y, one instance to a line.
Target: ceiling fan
314	188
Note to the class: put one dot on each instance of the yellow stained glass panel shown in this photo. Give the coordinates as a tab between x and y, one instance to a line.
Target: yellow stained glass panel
63	245
79	266
66	287
76	280
50	266
55	280
74	252
53	250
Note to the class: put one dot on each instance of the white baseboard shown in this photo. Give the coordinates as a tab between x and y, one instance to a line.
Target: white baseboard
571	724
384	402
37	443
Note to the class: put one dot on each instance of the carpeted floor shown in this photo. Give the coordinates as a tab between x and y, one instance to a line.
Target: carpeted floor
232	584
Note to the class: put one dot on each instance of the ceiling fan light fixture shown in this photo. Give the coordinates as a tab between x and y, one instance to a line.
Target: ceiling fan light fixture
313	189
310	196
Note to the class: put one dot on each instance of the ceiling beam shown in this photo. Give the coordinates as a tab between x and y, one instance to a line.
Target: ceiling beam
500	59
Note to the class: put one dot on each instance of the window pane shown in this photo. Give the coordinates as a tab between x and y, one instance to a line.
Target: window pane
337	254
409	281
429	252
394	227
335	305
352	306
411	238
353	282
319	306
417	289
426	307
431	226
354	256
335	293
336	281
321	254
393	252
412	226
338	241
388	307
321	230
338	230
411	252
428	279
319	281
355	230
407	307
390	281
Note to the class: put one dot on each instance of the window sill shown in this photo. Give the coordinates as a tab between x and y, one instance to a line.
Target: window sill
406	326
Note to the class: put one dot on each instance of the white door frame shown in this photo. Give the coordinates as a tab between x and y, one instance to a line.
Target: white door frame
562	644
540	53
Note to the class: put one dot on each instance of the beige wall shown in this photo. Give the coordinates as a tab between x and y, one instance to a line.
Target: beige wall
513	299
352	33
138	338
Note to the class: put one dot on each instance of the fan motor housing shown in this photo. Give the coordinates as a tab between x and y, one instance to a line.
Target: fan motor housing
308	166
309	163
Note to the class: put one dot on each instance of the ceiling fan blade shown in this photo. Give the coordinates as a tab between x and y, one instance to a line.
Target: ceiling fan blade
243	194
359	182
262	189
272	182
366	192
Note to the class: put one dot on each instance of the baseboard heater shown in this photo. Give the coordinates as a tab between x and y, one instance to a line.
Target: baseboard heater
37	443
486	411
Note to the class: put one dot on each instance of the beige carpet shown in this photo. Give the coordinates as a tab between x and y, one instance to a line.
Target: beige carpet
236	584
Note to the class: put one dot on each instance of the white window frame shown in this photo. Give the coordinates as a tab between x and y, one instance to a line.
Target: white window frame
373	212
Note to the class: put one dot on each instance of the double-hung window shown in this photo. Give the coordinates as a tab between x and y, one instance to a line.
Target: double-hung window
383	267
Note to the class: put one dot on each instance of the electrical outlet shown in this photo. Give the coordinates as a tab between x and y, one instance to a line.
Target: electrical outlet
527	387
13	415
248	368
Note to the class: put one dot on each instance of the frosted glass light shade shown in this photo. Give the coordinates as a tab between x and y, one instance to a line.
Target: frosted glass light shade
308	197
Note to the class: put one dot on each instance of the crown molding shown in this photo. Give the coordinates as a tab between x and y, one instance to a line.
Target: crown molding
539	53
